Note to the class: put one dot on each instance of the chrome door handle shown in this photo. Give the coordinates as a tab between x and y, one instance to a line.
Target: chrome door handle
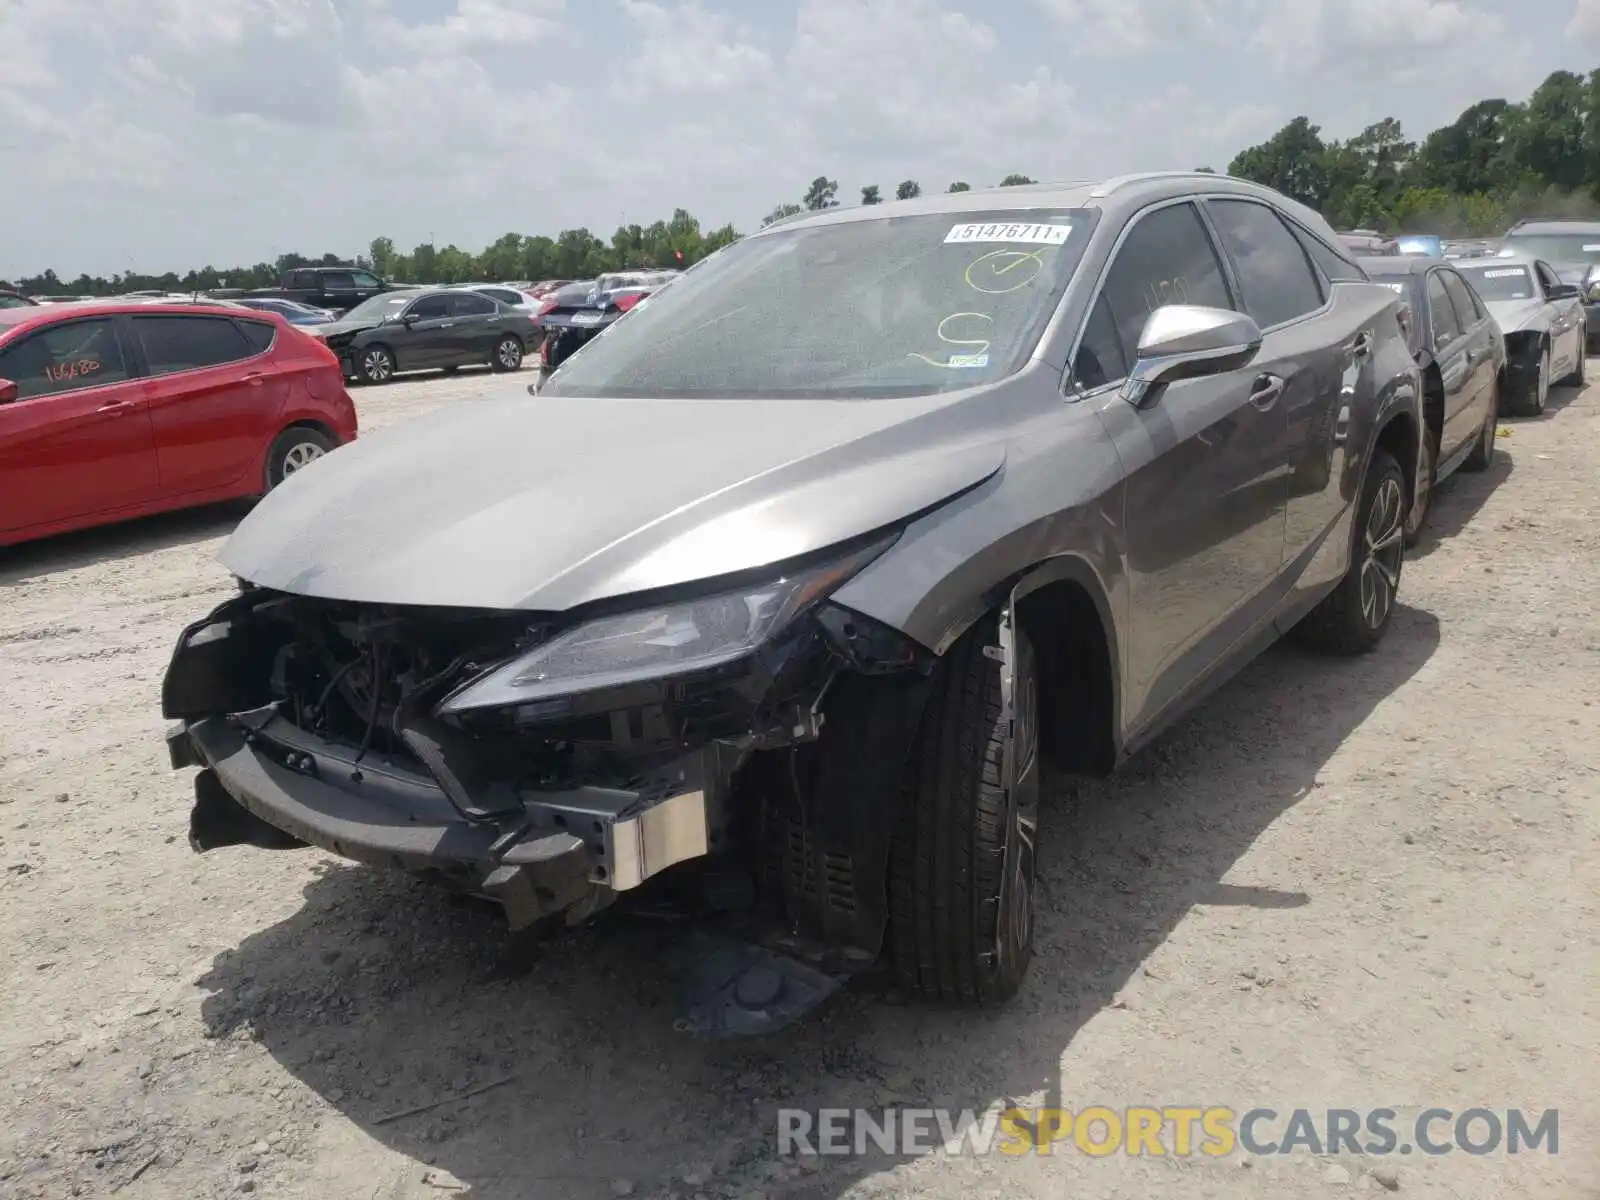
446	324
1265	391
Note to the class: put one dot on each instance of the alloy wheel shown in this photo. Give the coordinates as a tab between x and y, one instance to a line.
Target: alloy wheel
1380	567
510	354
377	365
301	454
1542	388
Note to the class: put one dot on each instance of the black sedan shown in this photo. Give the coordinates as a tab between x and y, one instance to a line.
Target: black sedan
1542	318
1455	340
432	328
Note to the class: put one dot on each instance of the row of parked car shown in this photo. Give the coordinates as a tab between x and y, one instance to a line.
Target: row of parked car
792	584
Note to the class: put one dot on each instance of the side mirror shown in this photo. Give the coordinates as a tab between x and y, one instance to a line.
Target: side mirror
1187	341
1564	291
9	392
409	319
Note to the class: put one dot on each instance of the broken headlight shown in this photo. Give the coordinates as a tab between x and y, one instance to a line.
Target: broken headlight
656	642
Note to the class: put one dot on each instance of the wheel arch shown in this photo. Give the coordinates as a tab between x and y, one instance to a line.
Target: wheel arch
1399	437
264	472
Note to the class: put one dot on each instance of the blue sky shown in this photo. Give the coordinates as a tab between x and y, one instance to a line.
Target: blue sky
156	134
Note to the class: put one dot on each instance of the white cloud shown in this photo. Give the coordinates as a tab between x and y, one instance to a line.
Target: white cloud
166	133
1584	27
1119	27
685	50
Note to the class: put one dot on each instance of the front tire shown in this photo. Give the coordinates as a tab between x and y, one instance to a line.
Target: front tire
1483	449
962	866
375	364
1353	618
1532	402
507	355
296	447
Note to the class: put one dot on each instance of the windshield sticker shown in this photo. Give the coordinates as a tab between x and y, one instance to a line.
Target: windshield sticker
1398	288
1039	235
1503	273
1002	271
968	360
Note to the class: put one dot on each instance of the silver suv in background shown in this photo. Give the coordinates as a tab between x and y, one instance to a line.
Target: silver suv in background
1572	247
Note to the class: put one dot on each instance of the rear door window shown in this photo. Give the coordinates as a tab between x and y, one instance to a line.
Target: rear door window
1441	312
363	280
184	343
1274	272
64	358
468	304
1460	296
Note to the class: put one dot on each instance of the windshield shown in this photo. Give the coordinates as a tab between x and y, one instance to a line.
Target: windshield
1555	247
889	306
1500	283
379	307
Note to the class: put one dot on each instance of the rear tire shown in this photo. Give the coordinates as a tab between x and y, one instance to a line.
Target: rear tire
294	448
962	866
1353	618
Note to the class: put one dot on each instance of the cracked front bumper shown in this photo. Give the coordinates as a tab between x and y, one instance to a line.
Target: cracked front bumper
386	814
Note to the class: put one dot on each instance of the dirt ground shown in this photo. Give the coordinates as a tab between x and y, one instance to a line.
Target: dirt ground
1340	884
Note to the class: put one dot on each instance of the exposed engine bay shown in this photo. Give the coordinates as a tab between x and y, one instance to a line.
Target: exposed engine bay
339	724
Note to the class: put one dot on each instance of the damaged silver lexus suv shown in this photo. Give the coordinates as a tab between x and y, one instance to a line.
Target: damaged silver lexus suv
796	576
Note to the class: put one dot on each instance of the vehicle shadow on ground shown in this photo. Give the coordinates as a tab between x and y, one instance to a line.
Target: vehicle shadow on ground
384	998
108	543
1457	501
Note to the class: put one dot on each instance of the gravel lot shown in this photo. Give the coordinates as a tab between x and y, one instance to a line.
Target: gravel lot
1352	884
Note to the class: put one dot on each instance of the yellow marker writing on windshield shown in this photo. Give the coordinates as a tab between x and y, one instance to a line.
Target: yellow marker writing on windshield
1001	271
980	345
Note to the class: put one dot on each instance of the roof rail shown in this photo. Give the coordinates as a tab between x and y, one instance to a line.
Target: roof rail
1110	185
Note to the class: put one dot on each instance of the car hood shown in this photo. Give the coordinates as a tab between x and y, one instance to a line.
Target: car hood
1513	314
343	327
546	503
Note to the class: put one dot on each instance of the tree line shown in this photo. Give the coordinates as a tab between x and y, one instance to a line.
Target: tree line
1496	162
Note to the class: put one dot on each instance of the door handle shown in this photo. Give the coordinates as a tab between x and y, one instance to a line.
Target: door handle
1264	392
116	407
446	324
254	378
1362	346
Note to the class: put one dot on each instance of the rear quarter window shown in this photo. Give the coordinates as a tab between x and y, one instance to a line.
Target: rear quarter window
184	343
259	334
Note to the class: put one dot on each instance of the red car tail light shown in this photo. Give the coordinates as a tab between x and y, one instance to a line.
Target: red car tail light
624	303
547	306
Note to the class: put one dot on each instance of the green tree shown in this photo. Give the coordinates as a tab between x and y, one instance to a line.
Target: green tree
1293	161
871	195
959	186
821	194
1470	154
782	211
909	189
1548	141
381	256
1015	181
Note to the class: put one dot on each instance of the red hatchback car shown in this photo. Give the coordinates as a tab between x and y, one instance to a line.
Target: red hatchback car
112	411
